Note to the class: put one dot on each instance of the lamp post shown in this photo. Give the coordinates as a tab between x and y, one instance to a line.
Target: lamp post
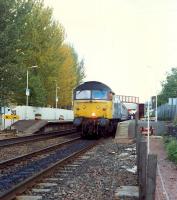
27	88
56	98
148	133
156	115
148	147
148	113
56	95
155	83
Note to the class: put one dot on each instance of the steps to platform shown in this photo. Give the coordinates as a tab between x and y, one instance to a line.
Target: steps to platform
125	133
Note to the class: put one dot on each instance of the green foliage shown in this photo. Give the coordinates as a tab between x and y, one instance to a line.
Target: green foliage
80	72
29	36
11	23
171	146
169	87
40	42
166	139
175	121
70	75
38	95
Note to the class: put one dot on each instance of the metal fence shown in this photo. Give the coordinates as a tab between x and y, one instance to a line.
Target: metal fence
167	112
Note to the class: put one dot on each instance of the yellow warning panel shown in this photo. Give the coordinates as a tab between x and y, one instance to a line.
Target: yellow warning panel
15	116
11	117
7	117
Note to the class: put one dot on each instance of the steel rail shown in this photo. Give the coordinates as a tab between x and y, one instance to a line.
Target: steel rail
21	187
32	138
44	150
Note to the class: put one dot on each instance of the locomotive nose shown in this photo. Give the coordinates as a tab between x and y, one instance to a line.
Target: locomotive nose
93	114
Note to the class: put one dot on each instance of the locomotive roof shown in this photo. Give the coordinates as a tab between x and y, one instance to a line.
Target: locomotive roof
90	85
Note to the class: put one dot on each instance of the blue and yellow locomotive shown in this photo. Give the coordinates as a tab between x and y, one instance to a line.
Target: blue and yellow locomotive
97	110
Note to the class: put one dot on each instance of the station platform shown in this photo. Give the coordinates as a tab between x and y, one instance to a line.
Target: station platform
29	126
125	133
166	175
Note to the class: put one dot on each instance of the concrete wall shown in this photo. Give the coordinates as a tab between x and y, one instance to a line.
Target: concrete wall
28	112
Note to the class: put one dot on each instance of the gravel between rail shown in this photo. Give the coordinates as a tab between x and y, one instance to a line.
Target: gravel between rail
36	168
17	150
95	175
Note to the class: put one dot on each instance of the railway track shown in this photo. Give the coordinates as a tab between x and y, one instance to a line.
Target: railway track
37	137
17	181
24	157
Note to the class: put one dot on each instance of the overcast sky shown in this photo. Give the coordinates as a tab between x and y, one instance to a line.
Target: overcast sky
127	44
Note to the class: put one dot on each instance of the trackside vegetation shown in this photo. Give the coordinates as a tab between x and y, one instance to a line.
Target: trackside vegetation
169	87
171	147
29	36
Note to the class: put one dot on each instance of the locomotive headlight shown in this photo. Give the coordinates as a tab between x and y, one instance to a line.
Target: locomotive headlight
93	114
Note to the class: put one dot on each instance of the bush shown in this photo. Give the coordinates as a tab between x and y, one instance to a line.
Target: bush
167	139
171	146
175	121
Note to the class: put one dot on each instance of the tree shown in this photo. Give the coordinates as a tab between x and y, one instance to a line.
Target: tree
80	72
29	36
70	74
12	19
40	40
38	92
169	87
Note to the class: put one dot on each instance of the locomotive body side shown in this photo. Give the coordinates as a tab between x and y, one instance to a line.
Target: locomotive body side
124	113
116	108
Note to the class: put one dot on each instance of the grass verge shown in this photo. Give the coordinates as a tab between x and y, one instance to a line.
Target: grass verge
171	146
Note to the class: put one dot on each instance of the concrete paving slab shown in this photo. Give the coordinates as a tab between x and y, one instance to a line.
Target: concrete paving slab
47	184
127	191
41	190
52	179
26	197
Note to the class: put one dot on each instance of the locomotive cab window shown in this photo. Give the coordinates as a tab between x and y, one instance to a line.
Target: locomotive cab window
83	94
99	94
